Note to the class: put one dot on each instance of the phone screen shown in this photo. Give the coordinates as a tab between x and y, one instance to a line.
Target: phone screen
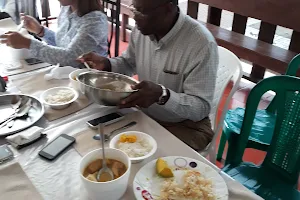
33	61
103	119
57	146
4	152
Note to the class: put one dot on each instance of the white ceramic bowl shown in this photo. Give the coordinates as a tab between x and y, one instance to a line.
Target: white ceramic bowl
112	190
73	75
114	141
61	105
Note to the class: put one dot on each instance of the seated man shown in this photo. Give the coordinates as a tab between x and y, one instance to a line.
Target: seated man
176	59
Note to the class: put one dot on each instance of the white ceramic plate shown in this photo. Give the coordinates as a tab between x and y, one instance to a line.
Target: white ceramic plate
146	180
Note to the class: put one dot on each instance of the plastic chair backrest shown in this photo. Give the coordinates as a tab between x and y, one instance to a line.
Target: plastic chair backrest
293	67
230	69
283	156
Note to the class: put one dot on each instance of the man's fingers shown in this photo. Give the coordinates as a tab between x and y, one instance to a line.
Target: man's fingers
5	36
139	86
4	42
130	104
91	64
130	98
85	57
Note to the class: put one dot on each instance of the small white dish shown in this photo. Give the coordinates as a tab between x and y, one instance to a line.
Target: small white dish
73	75
140	135
54	90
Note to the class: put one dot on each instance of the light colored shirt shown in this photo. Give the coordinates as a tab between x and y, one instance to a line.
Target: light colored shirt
185	61
9	7
75	36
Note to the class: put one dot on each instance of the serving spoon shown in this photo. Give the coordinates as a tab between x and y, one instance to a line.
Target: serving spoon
104	174
87	65
107	136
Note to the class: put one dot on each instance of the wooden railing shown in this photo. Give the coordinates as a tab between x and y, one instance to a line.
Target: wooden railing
261	52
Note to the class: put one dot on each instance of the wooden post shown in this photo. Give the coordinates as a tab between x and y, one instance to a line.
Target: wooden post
239	23
124	26
295	42
192	10
214	16
266	34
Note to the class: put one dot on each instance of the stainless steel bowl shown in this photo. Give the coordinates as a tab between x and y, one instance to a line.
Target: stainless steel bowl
91	82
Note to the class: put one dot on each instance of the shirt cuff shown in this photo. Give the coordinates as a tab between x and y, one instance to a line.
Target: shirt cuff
173	101
47	34
114	64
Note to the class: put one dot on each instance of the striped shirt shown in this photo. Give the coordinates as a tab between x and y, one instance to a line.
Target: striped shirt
185	61
75	36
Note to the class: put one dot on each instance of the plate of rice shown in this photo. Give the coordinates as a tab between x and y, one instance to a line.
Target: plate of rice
59	97
191	180
137	145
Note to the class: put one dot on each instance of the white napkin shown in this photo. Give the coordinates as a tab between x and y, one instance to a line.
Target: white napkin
12	66
25	137
59	72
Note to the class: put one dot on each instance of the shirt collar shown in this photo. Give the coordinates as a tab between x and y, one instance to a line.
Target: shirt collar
169	36
71	14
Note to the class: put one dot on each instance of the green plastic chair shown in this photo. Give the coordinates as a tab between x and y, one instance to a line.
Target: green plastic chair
277	177
262	129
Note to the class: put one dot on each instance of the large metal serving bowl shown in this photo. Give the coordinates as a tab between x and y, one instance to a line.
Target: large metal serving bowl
91	82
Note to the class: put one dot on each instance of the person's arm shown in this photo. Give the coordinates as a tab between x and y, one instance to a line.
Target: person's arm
48	36
10	8
87	39
125	64
198	87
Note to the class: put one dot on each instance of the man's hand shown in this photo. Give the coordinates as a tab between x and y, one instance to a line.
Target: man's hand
148	93
15	40
95	61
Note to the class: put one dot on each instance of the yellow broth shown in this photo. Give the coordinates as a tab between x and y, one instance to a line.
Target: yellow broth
90	172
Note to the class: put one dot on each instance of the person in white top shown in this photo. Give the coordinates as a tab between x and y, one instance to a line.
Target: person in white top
176	60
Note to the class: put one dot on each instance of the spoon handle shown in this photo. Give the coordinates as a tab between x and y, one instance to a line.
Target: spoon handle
101	129
123	127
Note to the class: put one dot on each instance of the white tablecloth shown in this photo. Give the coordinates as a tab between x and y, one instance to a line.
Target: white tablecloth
60	180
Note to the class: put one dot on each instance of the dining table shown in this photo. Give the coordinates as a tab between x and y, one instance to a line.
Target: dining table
60	178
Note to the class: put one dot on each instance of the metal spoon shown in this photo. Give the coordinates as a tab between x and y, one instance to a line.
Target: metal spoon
107	136
87	66
104	172
23	111
15	107
21	25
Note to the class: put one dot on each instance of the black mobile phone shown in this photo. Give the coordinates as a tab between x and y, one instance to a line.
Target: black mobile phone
57	146
106	120
33	61
5	153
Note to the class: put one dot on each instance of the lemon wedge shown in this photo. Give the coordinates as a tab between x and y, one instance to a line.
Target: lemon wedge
163	169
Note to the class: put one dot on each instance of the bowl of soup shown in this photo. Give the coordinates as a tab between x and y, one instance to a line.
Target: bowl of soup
120	165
